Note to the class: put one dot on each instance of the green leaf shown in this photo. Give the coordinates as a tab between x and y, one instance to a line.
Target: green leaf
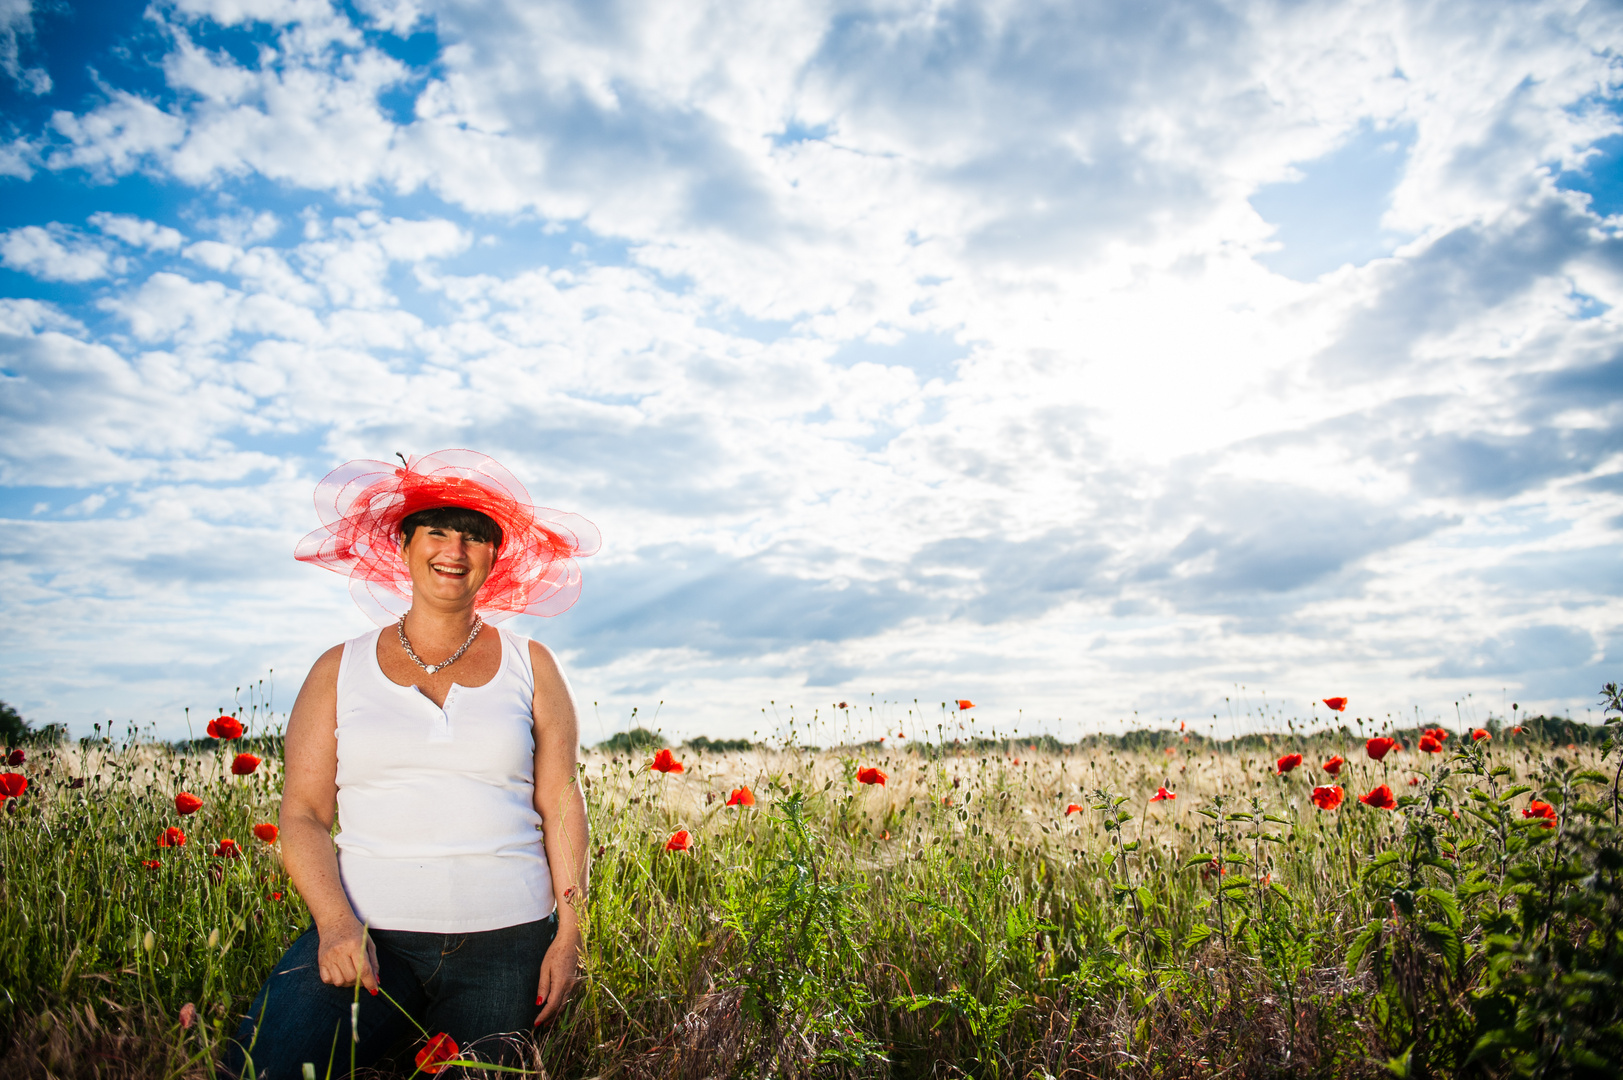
1203	859
1515	790
1446	901
1198	934
1385	858
1131	845
1361	943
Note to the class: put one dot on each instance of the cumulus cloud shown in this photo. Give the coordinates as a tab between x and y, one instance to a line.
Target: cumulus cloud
55	254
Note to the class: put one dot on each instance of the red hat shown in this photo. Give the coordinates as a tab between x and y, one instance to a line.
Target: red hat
361	505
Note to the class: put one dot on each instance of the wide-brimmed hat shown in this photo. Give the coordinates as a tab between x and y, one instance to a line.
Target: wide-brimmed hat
361	505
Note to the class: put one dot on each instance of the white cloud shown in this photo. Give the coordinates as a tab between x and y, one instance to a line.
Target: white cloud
56	254
16	26
138	232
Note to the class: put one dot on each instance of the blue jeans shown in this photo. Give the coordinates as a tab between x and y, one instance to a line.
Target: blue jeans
474	987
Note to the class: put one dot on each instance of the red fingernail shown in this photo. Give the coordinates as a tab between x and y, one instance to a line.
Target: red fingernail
540	1000
372	990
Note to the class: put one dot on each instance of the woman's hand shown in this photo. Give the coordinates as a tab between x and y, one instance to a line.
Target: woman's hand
347	954
558	969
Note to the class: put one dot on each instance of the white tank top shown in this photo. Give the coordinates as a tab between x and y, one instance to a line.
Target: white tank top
436	811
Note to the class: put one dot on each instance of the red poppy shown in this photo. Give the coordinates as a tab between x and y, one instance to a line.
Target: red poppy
1213	868
1339	704
244	764
225	727
12	785
681	840
1540	809
275	896
1328	798
1517	730
1381	798
871	775
440	1049
266	832
1414	780
1478	734
1380	746
741	796
1333	766
1430	744
172	837
1437	733
1072	809
151	864
965	703
665	762
187	803
1162	794
228	849
1287	763
16	758
885	835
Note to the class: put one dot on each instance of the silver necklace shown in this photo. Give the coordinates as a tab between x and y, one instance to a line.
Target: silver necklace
400	628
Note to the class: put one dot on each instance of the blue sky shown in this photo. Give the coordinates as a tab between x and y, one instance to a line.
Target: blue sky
1087	361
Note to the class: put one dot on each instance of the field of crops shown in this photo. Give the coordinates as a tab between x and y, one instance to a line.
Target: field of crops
1151	905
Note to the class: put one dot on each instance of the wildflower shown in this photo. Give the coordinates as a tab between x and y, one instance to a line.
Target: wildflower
681	840
665	762
225	727
965	703
1287	763
1414	780
1379	747
1333	766
871	775
151	864
244	764
12	785
172	837
188	1015
1517	730
266	832
1478	734
276	896
1328	798
1540	809
741	796
885	835
1430	745
187	803
1162	794
1381	798
16	758
228	849
1339	704
440	1049
1212	869
1072	809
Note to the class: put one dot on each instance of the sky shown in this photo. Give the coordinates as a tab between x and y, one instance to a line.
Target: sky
1100	363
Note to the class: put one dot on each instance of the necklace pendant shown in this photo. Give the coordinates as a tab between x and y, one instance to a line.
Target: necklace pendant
431	668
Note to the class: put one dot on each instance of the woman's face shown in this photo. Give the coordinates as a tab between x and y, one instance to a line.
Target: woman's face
447	565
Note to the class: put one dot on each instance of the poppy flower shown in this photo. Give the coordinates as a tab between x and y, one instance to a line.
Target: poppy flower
1380	746
12	785
965	703
741	796
225	727
1517	730
1328	798
228	849
1333	766
172	837
1478	734
1430	744
16	758
244	764
1414	781
266	832
885	835
1212	869
1540	809
1162	794
1287	763
665	762
1381	798
1339	704
275	896
187	803
681	840
1072	809
440	1049
871	775
151	864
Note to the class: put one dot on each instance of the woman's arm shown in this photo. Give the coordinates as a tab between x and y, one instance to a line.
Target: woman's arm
309	799
563	821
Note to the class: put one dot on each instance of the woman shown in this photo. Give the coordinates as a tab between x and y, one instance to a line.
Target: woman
448	750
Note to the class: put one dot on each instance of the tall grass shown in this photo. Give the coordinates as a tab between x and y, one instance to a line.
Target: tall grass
954	921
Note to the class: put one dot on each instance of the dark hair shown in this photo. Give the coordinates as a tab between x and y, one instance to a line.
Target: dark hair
470	523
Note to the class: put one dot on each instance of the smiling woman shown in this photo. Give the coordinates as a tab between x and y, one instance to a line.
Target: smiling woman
460	821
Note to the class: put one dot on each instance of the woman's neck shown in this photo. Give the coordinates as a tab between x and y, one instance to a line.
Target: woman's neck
432	627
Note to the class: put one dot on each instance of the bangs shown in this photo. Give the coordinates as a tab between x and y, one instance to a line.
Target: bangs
470	523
